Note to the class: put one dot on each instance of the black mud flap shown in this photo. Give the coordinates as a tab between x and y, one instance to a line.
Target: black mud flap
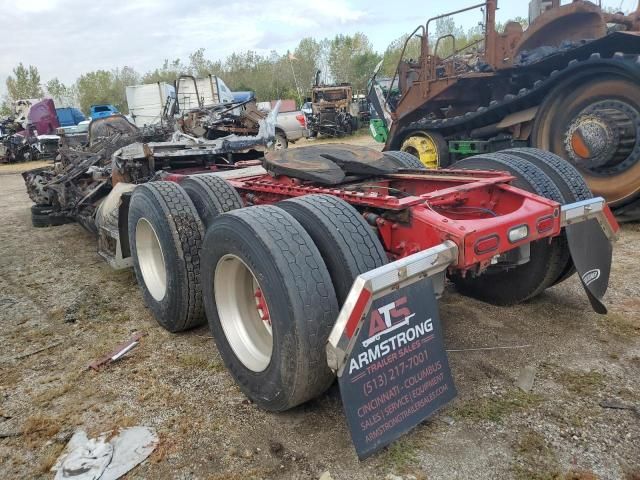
397	374
591	252
387	348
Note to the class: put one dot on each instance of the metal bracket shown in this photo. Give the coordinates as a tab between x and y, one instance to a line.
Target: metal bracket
593	208
378	282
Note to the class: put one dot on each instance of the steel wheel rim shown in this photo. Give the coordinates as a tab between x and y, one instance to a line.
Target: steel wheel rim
423	147
622	126
151	259
244	315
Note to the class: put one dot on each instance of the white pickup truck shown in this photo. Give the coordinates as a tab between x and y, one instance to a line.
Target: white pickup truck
291	124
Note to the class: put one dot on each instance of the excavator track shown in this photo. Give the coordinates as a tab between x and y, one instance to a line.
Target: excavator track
628	65
619	65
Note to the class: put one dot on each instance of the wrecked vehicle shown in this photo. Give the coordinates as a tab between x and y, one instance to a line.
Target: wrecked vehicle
333	113
117	151
30	132
206	108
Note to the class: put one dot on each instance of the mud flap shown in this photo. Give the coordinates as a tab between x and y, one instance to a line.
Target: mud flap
590	229
591	252
387	349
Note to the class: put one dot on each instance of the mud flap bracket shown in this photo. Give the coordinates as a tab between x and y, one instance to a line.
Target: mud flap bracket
425	264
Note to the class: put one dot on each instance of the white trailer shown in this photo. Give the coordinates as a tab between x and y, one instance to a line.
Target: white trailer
147	102
202	92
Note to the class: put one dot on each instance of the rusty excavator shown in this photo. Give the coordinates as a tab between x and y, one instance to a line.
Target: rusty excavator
568	83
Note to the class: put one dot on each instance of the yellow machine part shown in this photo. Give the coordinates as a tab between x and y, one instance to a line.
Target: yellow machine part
424	147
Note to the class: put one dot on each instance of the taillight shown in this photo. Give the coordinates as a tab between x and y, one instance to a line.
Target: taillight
518	233
544	224
486	244
302	120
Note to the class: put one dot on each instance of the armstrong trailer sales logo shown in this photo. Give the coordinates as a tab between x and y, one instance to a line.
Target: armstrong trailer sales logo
397	373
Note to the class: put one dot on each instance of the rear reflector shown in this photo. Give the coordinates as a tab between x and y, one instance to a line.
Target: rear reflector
518	233
544	224
487	244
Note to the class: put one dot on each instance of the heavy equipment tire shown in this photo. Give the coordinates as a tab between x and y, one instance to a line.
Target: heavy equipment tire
568	180
211	195
547	260
348	244
166	235
619	180
270	304
429	147
280	142
405	160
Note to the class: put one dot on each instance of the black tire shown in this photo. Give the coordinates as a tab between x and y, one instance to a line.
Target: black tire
43	216
280	142
41	209
547	260
211	195
405	160
40	221
567	178
347	243
300	299
167	208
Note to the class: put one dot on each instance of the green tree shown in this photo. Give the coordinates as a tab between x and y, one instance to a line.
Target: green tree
352	59
199	66
63	95
394	50
168	73
95	88
25	83
306	61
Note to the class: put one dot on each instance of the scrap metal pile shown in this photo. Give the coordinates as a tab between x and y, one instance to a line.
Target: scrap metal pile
117	151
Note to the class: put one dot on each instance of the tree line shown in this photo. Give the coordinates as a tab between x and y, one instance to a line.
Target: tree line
345	58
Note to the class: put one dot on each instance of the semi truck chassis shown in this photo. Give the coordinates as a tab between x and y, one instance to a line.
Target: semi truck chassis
278	256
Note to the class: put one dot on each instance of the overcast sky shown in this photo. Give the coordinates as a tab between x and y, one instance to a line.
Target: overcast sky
65	38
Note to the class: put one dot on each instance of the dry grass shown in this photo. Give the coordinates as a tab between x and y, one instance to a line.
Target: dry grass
49	457
43	398
621	325
581	383
535	459
496	409
41	426
202	362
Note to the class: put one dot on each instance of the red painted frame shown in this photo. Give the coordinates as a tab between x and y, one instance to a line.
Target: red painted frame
418	210
429	208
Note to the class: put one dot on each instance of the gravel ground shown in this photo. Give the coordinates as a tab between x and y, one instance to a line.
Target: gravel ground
61	307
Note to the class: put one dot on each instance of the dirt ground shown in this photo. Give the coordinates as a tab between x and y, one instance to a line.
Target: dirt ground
61	307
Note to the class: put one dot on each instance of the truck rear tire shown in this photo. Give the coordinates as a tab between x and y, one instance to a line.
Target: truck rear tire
567	178
166	235
270	304
547	260
347	243
405	160
211	195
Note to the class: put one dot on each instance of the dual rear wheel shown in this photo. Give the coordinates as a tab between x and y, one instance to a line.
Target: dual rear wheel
270	278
